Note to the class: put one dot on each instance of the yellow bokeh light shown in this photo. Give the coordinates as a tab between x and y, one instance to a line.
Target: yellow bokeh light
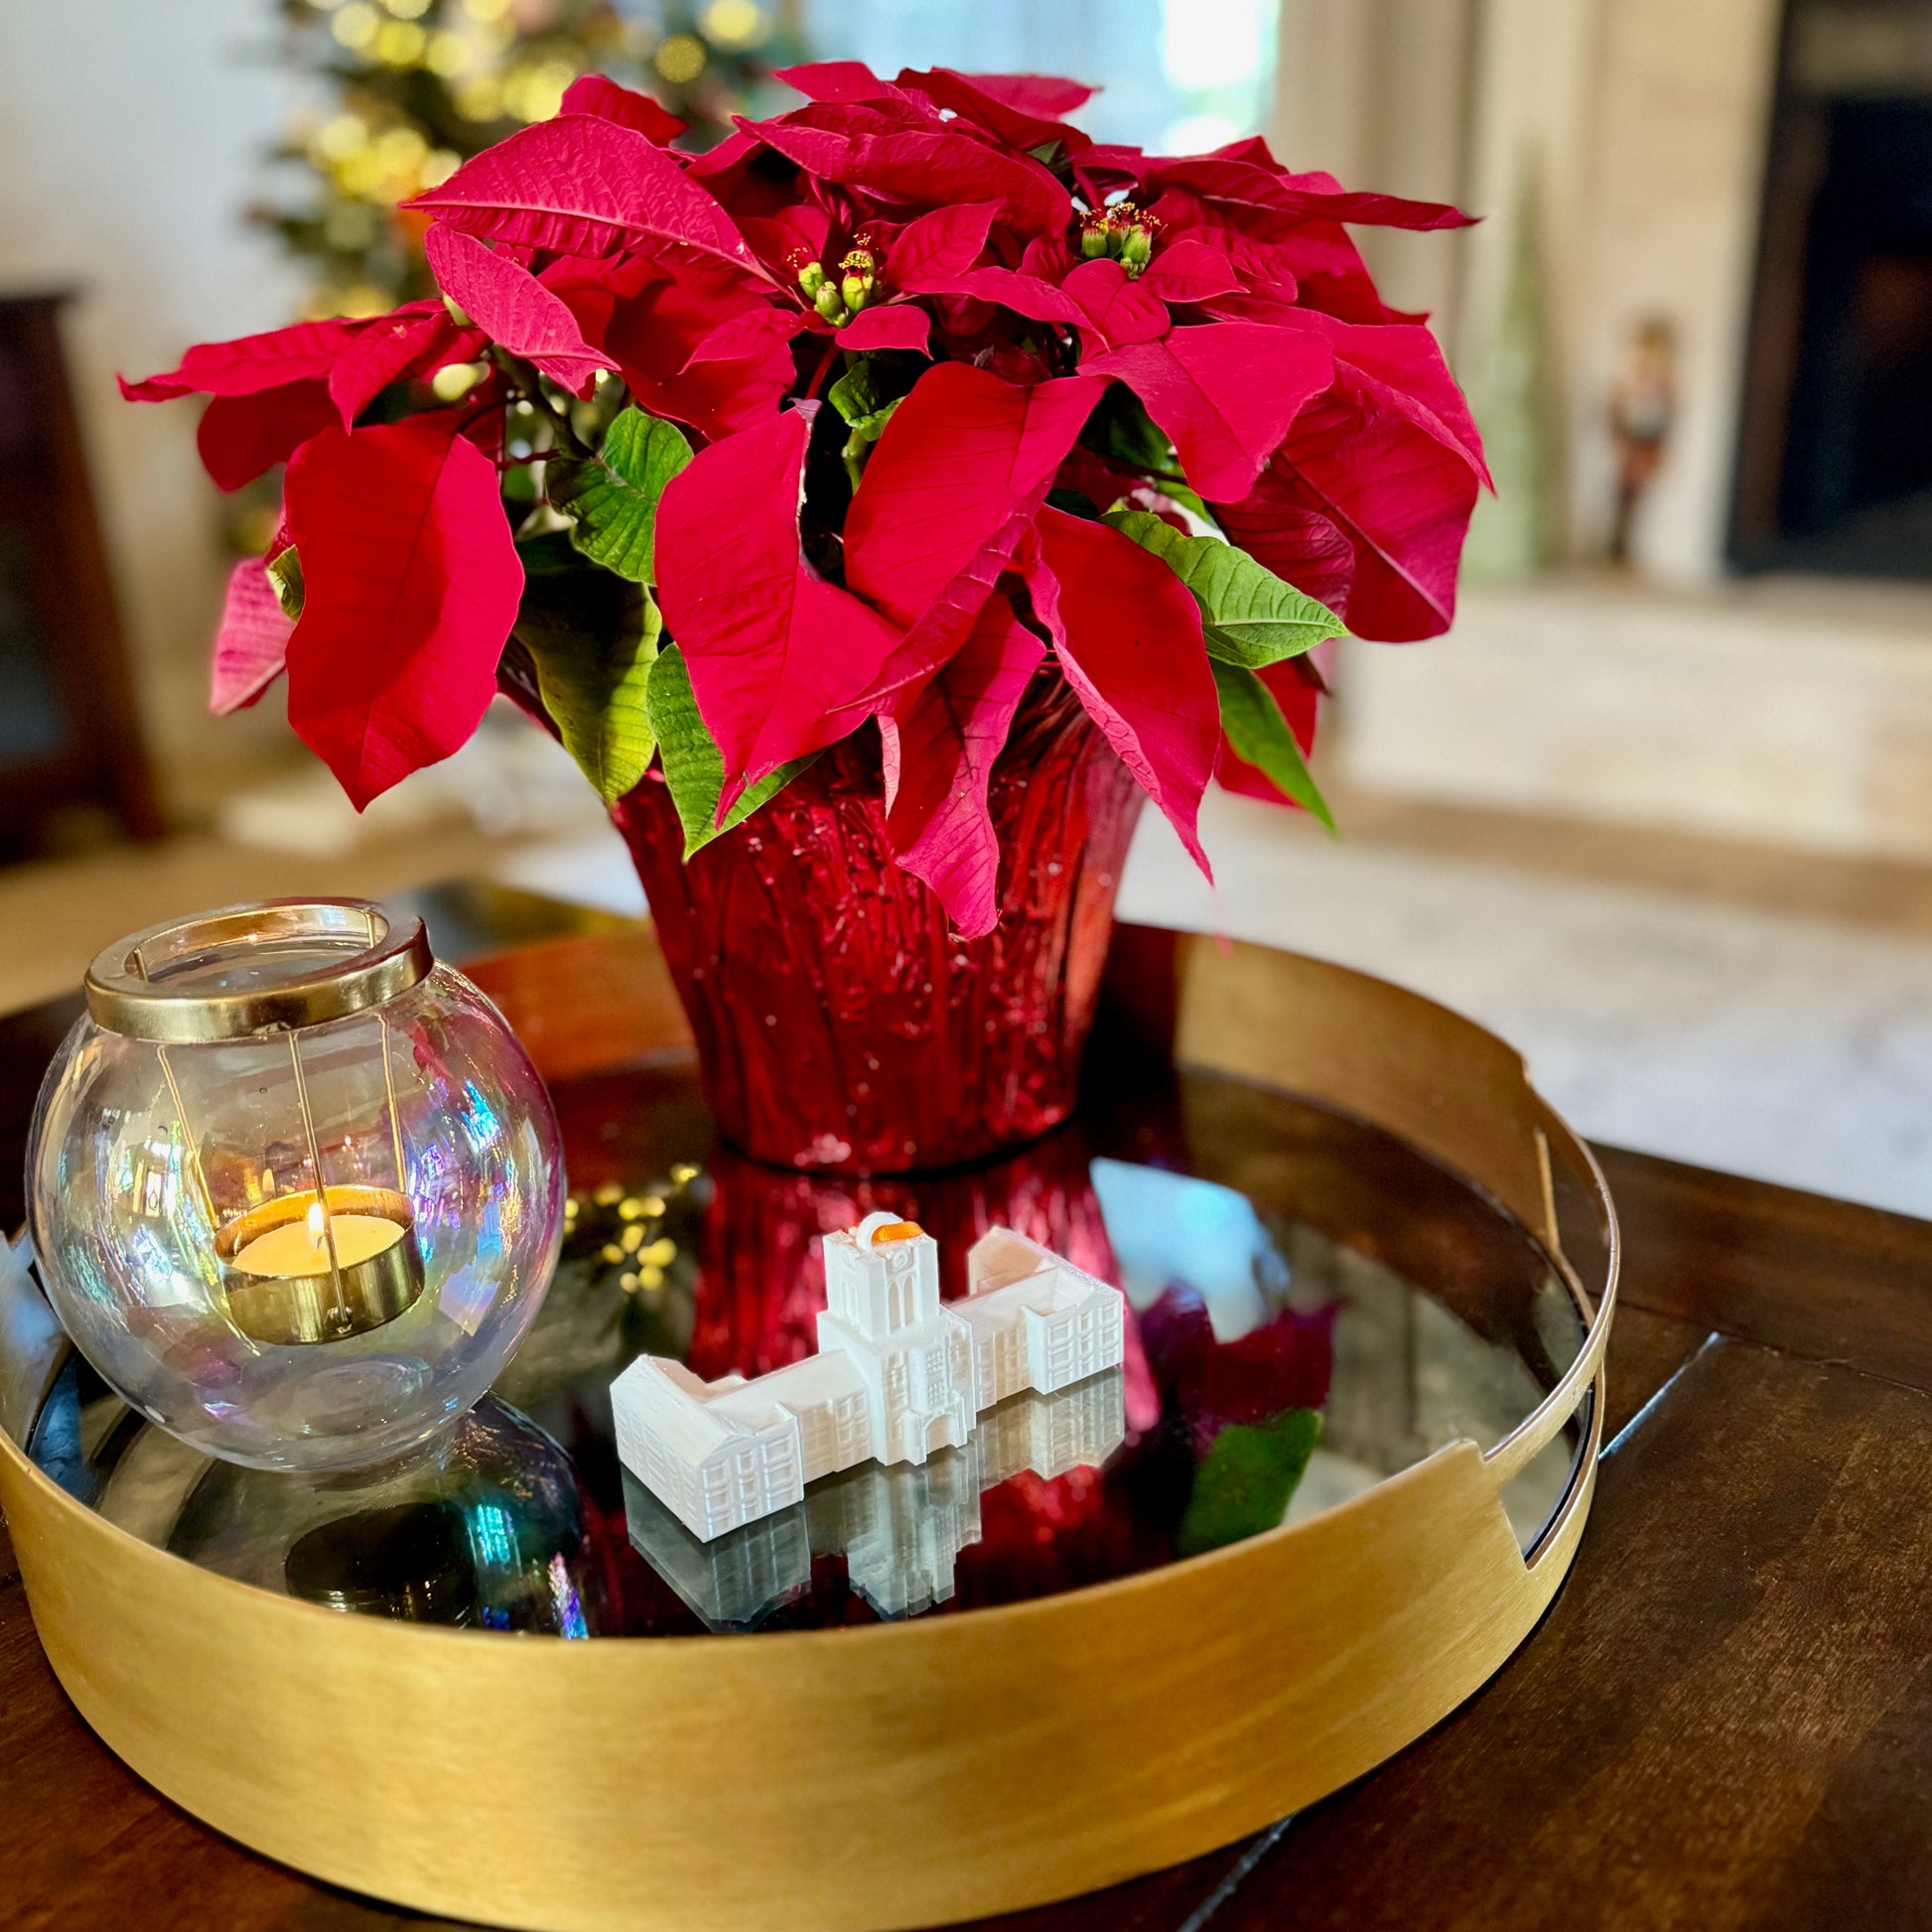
355	26
681	59
361	175
734	23
439	165
407	9
340	138
402	147
651	1277
400	42
486	9
535	91
363	299
448	53
479	99
660	1254
451	383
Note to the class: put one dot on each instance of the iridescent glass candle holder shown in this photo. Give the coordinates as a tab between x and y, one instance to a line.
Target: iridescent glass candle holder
295	1188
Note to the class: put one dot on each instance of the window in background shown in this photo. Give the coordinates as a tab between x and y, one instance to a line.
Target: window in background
1175	76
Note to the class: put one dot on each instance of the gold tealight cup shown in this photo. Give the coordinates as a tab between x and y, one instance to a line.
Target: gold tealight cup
304	1269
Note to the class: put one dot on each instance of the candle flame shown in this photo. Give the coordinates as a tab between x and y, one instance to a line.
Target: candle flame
317	1232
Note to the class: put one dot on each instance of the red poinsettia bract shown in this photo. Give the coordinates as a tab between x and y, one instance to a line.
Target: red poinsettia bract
889	405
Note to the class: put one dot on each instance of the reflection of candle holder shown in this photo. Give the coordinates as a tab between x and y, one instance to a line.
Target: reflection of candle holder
408	1561
490	1528
355	1264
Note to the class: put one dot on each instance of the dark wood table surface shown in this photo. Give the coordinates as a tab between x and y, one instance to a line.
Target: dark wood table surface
1724	1720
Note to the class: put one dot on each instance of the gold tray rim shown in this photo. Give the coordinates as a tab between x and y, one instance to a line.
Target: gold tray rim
157	1693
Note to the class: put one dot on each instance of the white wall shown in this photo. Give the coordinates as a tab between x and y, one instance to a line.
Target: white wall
129	137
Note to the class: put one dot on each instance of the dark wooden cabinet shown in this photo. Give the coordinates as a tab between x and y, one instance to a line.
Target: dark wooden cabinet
68	729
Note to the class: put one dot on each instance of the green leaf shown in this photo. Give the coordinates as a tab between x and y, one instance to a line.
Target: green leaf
693	766
1249	615
1121	428
864	433
856	395
866	410
593	639
613	495
1247	1479
285	573
1257	730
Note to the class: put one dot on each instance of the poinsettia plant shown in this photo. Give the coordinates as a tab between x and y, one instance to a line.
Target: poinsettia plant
862	420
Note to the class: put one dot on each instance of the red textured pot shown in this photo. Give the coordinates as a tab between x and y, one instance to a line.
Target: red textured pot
841	1024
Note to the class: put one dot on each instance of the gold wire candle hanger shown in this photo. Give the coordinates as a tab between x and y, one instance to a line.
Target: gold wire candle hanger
169	985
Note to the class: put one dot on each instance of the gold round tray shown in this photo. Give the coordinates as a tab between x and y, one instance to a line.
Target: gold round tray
910	1773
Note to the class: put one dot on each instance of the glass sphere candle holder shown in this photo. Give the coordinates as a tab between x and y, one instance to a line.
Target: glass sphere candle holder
295	1188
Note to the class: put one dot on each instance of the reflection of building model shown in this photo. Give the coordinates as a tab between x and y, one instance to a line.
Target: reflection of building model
895	1377
900	1530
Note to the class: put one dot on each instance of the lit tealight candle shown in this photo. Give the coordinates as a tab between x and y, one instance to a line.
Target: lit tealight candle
301	1248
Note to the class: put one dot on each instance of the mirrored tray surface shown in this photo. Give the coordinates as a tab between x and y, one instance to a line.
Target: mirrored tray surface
1315	1307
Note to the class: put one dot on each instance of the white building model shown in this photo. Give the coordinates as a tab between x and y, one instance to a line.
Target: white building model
895	1377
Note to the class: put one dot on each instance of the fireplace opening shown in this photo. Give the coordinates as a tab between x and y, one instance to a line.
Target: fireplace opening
1834	454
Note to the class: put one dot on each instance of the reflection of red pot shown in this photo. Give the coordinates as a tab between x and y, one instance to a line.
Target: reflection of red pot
761	1257
841	1024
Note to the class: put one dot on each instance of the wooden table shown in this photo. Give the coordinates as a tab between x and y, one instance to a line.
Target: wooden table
1724	1720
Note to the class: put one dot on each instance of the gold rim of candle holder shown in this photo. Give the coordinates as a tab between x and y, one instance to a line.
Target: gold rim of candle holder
301	1309
125	997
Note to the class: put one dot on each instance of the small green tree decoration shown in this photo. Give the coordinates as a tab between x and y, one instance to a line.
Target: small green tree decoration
412	88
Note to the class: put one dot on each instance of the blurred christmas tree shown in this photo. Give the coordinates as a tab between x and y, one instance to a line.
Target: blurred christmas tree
409	88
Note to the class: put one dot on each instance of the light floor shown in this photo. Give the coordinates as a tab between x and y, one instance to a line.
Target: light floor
1776	1042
